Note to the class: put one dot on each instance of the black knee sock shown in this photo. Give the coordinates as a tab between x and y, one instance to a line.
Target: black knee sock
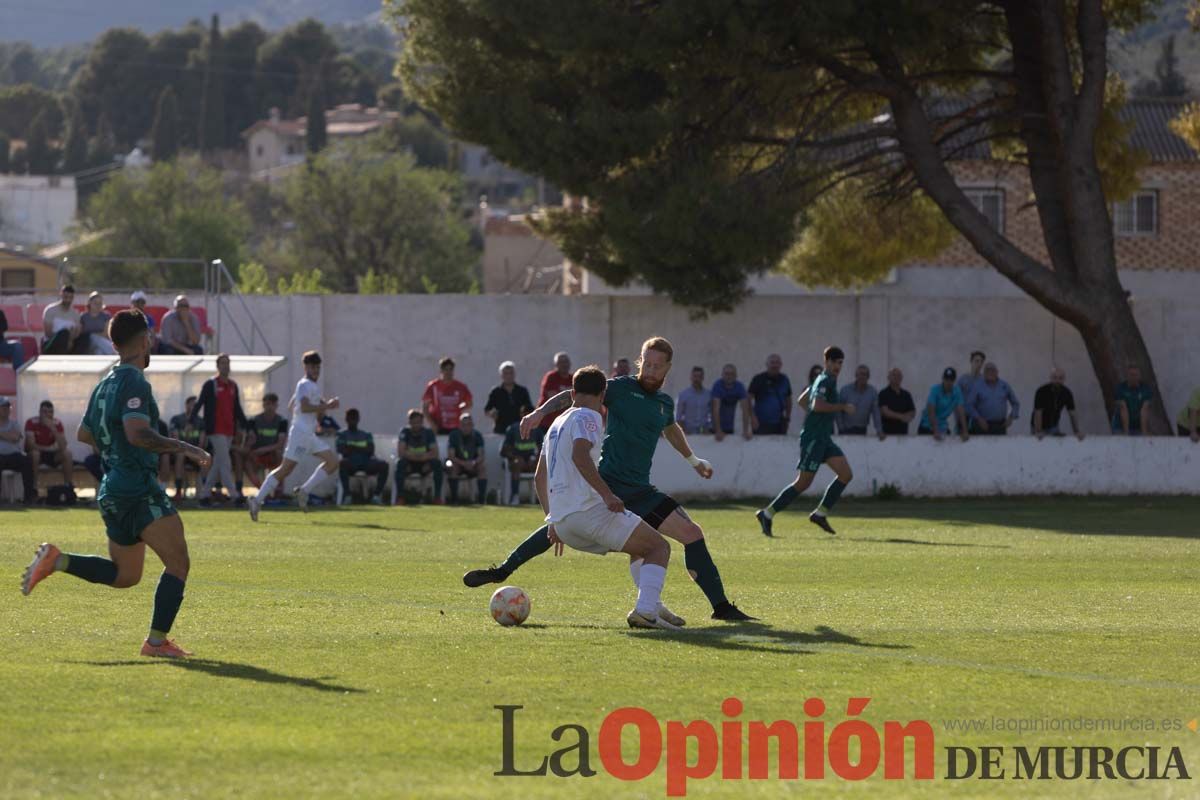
167	599
534	545
454	490
481	490
91	568
704	572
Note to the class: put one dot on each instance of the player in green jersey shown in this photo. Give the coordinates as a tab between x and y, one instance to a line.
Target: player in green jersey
639	413
122	421
817	447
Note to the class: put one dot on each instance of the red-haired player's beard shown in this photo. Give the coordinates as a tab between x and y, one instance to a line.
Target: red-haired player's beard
649	384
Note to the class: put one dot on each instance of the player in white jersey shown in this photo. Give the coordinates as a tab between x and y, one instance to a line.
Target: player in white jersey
305	408
583	512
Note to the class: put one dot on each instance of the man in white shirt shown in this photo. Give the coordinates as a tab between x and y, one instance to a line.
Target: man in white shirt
582	510
305	408
62	327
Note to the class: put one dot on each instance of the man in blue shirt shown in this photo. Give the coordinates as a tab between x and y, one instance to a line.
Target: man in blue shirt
771	392
1133	404
693	407
945	398
992	405
727	394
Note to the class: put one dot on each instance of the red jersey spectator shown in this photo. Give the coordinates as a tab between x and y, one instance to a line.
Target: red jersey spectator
45	442
553	382
445	399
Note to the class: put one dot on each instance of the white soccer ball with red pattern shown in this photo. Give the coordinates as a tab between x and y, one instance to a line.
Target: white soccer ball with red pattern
510	605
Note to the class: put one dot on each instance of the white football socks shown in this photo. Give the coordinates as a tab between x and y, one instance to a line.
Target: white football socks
314	480
650	584
267	488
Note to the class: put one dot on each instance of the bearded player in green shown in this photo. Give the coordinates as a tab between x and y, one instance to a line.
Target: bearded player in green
817	447
122	420
639	412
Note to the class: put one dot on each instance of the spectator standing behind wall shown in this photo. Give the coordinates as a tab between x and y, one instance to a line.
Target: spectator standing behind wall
1049	402
1133	404
62	332
862	395
693	407
445	398
896	407
992	405
944	399
1188	421
509	401
771	395
555	381
729	394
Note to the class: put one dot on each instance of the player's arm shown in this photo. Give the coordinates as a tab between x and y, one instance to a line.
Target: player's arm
316	408
678	439
552	405
823	406
541	483
84	434
581	457
140	434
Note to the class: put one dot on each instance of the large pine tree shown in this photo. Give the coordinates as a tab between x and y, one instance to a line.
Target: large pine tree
316	136
165	134
39	158
212	102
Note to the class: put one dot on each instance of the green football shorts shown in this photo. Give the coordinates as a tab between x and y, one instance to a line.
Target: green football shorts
816	452
126	517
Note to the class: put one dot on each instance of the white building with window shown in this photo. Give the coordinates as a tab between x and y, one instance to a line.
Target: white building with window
36	209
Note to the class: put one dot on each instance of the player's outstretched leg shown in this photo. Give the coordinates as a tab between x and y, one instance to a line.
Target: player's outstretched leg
635	572
782	501
534	545
833	491
121	571
327	467
269	484
652	550
679	526
165	537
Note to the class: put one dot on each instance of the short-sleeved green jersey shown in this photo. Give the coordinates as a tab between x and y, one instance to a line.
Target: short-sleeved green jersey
820	424
123	393
636	419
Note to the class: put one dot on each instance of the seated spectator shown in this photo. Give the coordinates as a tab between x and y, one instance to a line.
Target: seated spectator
522	456
944	399
693	407
1188	421
45	442
465	459
992	405
865	399
417	454
94	324
509	401
179	334
357	449
1048	404
771	394
266	439
183	429
12	454
445	398
620	368
727	395
1132	416
896	407
556	380
138	301
63	334
10	349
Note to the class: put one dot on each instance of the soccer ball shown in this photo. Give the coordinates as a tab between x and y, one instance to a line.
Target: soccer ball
510	605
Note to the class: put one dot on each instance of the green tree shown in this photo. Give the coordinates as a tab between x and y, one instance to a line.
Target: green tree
39	157
378	283
20	104
75	148
416	134
1171	82
357	211
702	133
115	82
174	209
285	62
315	132
212	104
165	134
240	46
5	154
304	282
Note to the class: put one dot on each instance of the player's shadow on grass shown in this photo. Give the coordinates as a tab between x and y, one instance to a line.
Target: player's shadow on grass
230	669
369	525
896	540
758	637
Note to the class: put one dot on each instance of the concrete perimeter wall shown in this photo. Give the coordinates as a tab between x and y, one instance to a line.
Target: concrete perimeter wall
381	350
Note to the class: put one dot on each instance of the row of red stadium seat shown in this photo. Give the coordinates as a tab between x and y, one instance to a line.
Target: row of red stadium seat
29	317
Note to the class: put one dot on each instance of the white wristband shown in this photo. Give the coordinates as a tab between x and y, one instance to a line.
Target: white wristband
694	460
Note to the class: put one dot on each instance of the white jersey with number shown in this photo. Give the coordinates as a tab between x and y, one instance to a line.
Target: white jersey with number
569	492
304	422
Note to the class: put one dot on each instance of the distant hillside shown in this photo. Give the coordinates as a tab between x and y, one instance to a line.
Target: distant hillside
48	23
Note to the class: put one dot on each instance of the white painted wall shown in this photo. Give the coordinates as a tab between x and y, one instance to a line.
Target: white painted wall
36	209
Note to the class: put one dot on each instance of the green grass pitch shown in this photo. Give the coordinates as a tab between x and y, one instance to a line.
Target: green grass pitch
339	655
